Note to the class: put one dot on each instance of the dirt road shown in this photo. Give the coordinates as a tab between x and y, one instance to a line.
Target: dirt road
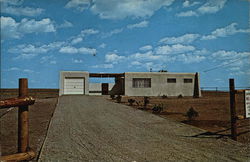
87	128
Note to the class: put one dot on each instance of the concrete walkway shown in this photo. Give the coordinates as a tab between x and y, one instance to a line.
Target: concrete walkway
88	128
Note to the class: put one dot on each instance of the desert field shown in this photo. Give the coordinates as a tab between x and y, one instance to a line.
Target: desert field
213	112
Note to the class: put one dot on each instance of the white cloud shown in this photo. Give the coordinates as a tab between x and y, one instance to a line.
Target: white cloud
14	69
78	4
89	31
187	3
189	58
104	66
210	7
174	49
12	29
73	50
48	60
141	24
112	32
103	45
76	40
184	39
136	63
65	24
148	56
187	14
77	61
126	8
113	58
146	48
228	55
14	8
28	71
224	32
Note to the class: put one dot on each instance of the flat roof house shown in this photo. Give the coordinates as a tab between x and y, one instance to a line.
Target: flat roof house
131	84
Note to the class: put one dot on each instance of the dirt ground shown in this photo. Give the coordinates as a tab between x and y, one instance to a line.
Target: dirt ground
213	109
39	117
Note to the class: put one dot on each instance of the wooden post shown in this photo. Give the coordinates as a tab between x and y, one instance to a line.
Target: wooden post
23	118
233	110
196	86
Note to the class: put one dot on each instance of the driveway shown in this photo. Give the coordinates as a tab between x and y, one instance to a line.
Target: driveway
90	128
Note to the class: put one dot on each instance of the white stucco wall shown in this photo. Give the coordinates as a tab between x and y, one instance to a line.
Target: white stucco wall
64	74
159	85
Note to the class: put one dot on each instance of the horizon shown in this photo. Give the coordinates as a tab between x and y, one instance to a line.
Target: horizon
41	38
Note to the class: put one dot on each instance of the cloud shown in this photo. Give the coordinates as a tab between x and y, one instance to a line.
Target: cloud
229	55
89	31
146	48
104	66
184	39
113	58
80	5
48	60
147	56
188	4
224	32
141	24
12	29
189	58
210	7
77	61
112	32
14	8
65	24
76	40
126	8
74	50
103	45
174	49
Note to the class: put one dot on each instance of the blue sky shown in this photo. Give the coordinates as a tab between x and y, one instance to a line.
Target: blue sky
39	38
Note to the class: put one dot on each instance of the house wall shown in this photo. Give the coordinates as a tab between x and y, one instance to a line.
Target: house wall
64	74
96	88
159	85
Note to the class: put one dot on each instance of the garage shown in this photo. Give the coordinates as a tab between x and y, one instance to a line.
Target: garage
74	82
74	85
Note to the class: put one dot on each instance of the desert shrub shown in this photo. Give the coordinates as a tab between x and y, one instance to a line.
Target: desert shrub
192	114
146	101
112	97
158	108
164	96
131	101
119	98
180	96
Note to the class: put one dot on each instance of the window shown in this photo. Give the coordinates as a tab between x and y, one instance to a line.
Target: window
188	80
171	80
141	82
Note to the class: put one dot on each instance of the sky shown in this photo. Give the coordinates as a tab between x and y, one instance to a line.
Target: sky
40	38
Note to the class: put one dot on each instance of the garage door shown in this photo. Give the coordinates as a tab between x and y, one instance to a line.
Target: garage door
74	85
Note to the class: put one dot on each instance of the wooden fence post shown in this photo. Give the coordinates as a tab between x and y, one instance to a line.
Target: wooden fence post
23	118
233	110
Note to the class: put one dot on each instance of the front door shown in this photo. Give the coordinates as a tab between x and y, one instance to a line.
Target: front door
105	88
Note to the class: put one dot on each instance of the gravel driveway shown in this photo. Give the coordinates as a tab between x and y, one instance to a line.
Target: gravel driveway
89	128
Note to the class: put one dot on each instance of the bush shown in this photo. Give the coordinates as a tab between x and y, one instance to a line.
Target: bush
112	97
164	96
192	114
131	101
180	96
158	108
119	98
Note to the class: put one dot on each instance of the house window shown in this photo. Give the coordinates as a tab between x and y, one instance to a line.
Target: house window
141	82
188	80
171	80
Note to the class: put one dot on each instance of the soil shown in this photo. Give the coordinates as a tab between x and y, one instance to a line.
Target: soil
39	117
213	109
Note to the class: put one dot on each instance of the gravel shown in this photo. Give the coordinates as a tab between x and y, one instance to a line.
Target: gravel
91	128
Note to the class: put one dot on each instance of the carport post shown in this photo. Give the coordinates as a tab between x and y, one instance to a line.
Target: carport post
233	110
23	118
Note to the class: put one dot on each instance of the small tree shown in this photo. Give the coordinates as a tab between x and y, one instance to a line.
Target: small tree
131	101
180	96
158	108
146	102
164	96
192	114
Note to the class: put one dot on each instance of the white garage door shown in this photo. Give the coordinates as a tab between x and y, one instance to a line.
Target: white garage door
74	85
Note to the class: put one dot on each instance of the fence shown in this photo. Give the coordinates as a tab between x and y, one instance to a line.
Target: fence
23	102
223	89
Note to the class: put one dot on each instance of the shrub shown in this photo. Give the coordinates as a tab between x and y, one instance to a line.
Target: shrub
164	96
180	96
146	101
158	108
192	114
112	97
131	101
119	98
